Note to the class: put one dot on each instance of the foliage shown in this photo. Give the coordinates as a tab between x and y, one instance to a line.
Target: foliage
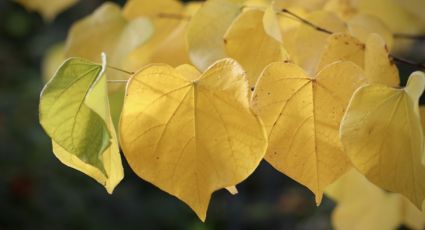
320	76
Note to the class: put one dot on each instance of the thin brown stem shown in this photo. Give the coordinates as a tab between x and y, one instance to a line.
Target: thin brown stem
121	70
409	36
314	26
408	62
173	16
323	30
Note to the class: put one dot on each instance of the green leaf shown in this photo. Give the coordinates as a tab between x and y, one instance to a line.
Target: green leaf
74	111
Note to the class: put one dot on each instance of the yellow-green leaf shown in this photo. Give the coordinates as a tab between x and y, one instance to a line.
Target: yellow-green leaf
207	28
74	111
302	115
381	133
191	134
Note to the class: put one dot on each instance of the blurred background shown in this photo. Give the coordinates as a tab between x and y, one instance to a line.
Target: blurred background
39	192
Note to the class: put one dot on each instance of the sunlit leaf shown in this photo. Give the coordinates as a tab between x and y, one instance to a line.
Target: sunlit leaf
379	67
382	134
207	28
169	19
342	47
302	115
309	43
173	49
106	30
191	134
390	12
256	52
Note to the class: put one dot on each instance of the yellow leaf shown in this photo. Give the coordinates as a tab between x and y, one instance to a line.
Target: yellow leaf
271	23
48	9
309	43
379	67
191	134
362	26
170	22
365	206
207	28
256	52
173	49
342	47
414	7
301	115
233	190
422	114
152	9
390	12
381	133
118	37
289	26
310	5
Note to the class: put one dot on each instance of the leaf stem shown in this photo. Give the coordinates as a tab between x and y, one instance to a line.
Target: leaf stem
121	70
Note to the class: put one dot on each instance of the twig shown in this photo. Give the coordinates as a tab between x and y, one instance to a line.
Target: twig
408	62
121	70
314	26
409	36
173	16
397	59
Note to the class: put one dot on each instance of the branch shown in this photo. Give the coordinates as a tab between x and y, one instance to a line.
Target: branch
397	59
409	36
173	16
408	62
120	70
314	26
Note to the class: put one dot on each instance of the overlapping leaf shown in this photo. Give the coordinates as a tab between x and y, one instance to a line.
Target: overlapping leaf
207	28
373	57
119	37
267	48
190	133
363	206
74	111
381	133
302	116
